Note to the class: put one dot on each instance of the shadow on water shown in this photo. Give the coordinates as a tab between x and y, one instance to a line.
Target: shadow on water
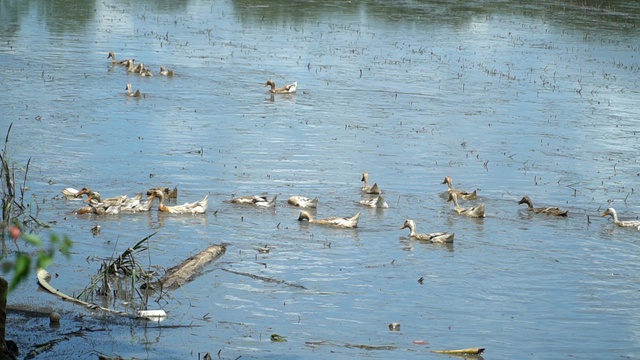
60	17
578	15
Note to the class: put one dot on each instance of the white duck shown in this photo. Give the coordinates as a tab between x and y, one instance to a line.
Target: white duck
303	202
473	211
132	93
341	222
375	202
255	200
374	189
460	193
624	223
136	204
165	72
440	237
198	207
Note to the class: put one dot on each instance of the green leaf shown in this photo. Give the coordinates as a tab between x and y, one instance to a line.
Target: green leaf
44	260
32	239
54	239
66	246
23	263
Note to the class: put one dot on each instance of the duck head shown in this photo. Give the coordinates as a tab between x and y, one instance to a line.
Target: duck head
408	224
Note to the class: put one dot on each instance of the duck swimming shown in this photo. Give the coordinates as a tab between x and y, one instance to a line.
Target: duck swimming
369	189
146	72
136	204
112	56
138	69
440	237
255	200
168	193
340	222
375	202
460	193
543	210
94	197
287	89
130	93
98	207
303	202
473	211
624	223
165	72
198	207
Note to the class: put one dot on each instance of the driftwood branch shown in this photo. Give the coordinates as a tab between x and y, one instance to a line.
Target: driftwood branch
190	268
43	280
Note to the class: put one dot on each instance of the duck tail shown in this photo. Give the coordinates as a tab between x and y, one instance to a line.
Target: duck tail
356	217
375	189
174	193
481	210
273	200
380	203
205	202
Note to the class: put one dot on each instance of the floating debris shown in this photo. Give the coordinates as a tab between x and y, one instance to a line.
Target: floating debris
278	338
469	351
54	317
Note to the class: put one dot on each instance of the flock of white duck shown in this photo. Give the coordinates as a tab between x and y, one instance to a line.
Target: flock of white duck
123	204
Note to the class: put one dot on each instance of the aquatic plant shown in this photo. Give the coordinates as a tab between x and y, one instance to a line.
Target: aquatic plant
107	283
17	217
18	222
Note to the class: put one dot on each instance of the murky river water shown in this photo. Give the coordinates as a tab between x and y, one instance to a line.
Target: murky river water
508	98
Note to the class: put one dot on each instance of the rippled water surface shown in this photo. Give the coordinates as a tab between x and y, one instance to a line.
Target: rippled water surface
507	98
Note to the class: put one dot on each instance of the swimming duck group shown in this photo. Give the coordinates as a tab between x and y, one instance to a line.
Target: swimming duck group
96	205
136	204
123	204
140	69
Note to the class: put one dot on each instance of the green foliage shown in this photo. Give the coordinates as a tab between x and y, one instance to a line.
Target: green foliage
24	263
16	217
21	270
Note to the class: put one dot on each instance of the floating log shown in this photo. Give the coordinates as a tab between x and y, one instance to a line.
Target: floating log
469	351
190	268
